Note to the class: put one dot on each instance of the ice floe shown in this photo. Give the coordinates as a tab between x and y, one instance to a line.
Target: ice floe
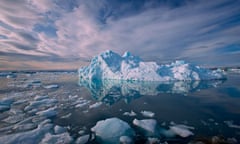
125	140
52	86
149	125
181	131
63	138
95	105
83	139
51	112
132	113
110	130
231	124
147	113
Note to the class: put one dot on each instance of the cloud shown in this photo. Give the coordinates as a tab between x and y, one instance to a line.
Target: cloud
161	33
64	31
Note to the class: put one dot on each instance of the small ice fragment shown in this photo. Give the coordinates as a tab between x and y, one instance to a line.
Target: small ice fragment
132	113
181	131
146	124
14	118
40	103
32	136
51	86
83	139
48	113
4	108
232	140
153	140
58	129
37	98
81	132
66	116
95	105
6	101
21	101
163	124
63	138
81	104
185	126
147	113
25	127
231	125
11	76
125	140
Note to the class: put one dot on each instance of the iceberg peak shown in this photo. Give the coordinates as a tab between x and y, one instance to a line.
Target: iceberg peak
110	65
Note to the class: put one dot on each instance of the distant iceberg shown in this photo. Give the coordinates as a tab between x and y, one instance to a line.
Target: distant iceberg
111	66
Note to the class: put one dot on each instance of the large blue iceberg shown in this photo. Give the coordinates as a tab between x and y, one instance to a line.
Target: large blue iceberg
111	66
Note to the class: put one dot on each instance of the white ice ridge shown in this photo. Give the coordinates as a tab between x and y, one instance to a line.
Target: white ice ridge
110	65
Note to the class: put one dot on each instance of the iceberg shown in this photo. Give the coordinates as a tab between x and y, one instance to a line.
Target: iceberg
111	66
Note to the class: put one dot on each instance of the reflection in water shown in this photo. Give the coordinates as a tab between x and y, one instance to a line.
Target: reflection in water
111	91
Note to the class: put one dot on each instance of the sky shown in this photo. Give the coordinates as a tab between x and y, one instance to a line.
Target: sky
66	34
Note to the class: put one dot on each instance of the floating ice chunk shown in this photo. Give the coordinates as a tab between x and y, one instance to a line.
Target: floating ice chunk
14	118
132	113
63	138
147	113
125	140
33	136
167	133
25	127
51	86
181	131
58	129
5	104
34	83
110	130
95	105
66	116
83	139
4	74
234	70
4	108
6	101
40	103
51	112
38	98
20	101
81	132
149	125
151	140
82	103
185	126
11	76
231	125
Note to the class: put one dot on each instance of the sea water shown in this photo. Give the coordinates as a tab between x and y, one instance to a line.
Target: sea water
58	107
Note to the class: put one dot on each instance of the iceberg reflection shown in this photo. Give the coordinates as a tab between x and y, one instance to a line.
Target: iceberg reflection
111	91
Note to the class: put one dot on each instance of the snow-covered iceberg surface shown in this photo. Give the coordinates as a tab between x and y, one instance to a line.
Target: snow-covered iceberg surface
110	65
